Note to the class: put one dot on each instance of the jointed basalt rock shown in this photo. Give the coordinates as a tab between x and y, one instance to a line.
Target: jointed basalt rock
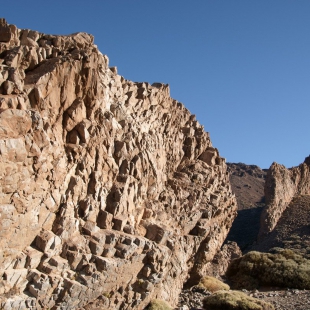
111	192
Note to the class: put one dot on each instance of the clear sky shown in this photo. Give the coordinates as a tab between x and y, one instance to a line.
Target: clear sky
242	66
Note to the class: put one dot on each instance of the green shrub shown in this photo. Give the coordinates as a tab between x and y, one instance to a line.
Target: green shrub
158	304
283	268
234	300
212	284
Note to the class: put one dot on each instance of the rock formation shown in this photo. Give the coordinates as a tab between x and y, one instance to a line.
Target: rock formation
111	192
218	267
281	186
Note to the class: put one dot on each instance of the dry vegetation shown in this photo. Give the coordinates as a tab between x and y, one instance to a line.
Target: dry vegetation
284	268
234	300
158	304
212	284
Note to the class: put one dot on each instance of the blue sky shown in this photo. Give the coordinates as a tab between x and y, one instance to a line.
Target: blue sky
242	66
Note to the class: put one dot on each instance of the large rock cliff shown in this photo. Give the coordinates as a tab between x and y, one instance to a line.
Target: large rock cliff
281	187
111	192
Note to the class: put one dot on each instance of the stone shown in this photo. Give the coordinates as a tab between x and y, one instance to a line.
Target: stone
75	114
95	247
5	32
99	237
90	228
128	229
59	262
99	177
209	156
7	87
48	243
104	263
104	220
219	265
281	186
16	278
83	132
14	123
146	271
108	251
119	222
125	251
20	261
73	137
33	257
13	150
157	233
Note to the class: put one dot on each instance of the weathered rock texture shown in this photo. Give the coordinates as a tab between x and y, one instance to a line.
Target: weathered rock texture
281	186
218	267
111	191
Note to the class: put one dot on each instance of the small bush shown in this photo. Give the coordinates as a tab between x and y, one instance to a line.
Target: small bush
158	304
283	268
212	284
234	300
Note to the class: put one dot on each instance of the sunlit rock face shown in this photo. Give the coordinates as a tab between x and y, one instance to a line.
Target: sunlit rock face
111	192
281	187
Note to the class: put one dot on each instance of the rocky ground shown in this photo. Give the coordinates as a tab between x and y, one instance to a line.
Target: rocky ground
281	299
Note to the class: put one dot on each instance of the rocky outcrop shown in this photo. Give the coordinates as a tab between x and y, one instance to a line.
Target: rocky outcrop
111	191
218	267
281	186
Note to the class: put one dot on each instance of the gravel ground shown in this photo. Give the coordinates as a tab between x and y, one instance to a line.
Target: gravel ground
281	299
285	299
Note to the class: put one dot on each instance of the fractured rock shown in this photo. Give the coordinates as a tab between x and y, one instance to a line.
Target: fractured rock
281	186
100	176
48	243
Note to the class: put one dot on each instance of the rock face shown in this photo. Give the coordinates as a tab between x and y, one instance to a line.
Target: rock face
111	192
218	267
281	186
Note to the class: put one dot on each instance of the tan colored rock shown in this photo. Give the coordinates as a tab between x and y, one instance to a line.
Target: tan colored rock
7	87
101	178
5	32
281	186
104	220
14	123
33	257
48	243
218	267
119	222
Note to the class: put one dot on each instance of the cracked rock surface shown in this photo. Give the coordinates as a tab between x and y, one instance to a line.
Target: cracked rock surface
111	191
281	187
